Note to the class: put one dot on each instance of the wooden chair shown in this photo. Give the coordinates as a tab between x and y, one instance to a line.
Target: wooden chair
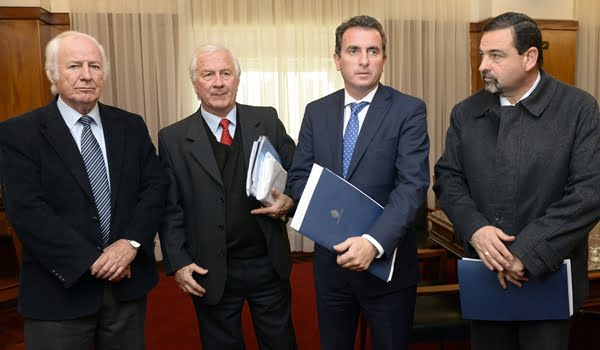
437	310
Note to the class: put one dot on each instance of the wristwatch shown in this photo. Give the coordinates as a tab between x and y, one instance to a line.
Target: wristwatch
135	245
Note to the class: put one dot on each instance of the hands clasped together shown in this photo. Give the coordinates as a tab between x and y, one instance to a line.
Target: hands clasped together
489	242
114	262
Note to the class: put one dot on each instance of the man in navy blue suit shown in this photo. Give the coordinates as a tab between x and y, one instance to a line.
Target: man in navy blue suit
376	138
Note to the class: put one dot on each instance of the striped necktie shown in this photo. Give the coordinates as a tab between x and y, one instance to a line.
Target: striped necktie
96	171
351	135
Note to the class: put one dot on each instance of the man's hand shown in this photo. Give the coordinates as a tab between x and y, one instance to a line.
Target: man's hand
114	260
186	282
516	270
515	279
281	206
488	241
356	253
125	274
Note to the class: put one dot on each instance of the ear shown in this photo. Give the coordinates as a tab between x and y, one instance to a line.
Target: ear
336	59
530	58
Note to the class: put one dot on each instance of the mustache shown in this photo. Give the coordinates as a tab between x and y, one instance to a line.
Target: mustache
486	74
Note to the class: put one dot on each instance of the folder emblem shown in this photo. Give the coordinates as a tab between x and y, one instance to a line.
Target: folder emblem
336	215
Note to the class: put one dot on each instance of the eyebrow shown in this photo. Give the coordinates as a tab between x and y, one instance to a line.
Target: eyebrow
492	51
83	61
354	47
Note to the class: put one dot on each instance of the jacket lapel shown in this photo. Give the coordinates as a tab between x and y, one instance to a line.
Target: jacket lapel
60	139
199	147
114	137
375	115
251	130
335	125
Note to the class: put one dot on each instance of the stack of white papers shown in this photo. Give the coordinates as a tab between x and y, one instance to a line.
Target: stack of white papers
264	172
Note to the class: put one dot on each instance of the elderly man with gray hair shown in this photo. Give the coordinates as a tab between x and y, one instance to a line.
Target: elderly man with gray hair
223	248
84	190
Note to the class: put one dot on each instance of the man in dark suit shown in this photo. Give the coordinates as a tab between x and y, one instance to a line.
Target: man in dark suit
389	162
224	248
84	190
519	176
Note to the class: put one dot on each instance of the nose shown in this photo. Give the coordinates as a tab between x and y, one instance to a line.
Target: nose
86	73
484	64
218	82
363	59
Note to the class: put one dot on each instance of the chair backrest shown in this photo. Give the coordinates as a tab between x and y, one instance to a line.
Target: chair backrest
437	310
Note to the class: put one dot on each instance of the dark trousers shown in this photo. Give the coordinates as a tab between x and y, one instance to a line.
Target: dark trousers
520	335
117	325
269	299
342	294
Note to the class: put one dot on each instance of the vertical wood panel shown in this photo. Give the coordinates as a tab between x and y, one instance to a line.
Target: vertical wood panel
20	67
24	33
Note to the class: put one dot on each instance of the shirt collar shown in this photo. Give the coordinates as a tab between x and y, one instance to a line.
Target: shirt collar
213	120
349	99
71	116
505	102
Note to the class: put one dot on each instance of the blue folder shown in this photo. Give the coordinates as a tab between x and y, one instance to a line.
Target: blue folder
482	297
331	210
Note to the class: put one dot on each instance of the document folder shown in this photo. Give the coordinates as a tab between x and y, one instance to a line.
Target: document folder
331	210
264	171
482	297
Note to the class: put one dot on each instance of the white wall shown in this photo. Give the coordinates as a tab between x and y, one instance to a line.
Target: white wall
537	9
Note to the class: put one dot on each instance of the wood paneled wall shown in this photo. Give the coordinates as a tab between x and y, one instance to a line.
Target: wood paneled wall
559	44
24	33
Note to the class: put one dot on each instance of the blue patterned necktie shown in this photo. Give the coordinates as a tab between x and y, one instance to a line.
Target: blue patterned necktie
351	134
96	171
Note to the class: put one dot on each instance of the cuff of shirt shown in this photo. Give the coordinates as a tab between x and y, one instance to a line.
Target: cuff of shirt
375	243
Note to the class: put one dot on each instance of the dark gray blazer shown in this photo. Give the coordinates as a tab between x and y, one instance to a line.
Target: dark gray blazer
193	227
532	170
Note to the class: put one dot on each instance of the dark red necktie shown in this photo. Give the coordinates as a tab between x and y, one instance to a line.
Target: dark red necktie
225	136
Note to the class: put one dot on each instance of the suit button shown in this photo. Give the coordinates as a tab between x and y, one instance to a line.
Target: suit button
220	227
497	218
94	218
222	252
221	200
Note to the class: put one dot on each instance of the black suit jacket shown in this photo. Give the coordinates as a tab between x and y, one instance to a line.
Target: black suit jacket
389	163
49	201
194	224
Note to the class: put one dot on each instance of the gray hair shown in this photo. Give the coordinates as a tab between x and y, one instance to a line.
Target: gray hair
208	49
52	48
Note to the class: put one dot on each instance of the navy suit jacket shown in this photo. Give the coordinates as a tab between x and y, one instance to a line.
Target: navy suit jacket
389	163
193	227
49	201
